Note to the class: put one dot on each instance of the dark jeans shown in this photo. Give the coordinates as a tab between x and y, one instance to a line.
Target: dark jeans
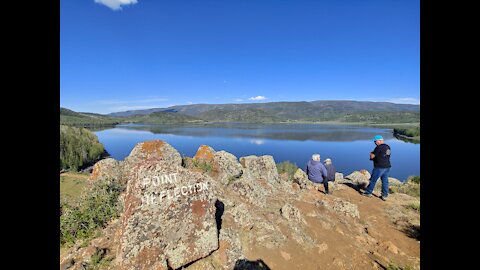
379	173
325	185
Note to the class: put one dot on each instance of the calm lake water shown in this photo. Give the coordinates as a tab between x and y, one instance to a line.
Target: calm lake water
347	146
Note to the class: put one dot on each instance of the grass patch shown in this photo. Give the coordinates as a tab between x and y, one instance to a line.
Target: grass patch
72	185
415	206
410	187
288	168
204	166
99	260
415	179
80	219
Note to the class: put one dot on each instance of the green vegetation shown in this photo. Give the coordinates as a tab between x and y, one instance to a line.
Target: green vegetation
80	219
408	132
205	166
365	113
71	118
99	260
72	185
160	118
382	117
288	168
246	116
78	146
415	206
410	187
415	179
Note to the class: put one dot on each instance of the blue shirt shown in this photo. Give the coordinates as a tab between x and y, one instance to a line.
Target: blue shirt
316	171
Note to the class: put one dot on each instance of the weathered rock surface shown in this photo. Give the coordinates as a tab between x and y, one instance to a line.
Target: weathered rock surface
169	218
214	211
108	168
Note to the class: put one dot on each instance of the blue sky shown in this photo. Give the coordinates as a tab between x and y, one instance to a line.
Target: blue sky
118	55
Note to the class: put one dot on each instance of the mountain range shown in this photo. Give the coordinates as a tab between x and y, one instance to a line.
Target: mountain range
302	111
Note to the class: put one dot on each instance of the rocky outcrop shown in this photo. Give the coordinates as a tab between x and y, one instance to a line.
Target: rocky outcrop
301	178
361	179
169	218
341	206
214	211
108	168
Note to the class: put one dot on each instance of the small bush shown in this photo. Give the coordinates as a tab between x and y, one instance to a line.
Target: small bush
79	220
415	206
410	187
415	179
204	166
288	168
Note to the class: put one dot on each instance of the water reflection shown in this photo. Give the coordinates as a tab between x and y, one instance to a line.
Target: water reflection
297	132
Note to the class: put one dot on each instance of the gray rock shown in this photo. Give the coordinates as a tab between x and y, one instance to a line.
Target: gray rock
169	212
301	178
108	168
228	167
340	206
291	213
359	178
260	168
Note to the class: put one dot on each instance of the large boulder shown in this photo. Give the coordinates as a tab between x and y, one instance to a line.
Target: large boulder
169	215
152	152
227	166
259	180
359	178
223	166
260	168
108	168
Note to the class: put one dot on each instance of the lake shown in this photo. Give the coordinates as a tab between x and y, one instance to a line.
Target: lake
347	146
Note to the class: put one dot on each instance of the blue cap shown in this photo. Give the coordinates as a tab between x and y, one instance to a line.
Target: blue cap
377	137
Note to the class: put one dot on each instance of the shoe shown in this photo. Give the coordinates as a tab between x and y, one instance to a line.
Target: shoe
327	193
383	198
367	194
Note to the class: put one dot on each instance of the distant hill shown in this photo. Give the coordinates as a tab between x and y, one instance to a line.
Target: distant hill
243	115
69	117
160	118
322	110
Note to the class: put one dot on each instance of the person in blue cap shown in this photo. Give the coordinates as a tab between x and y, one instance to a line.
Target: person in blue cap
381	167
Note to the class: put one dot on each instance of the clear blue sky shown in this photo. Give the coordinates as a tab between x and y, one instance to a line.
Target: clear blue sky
158	53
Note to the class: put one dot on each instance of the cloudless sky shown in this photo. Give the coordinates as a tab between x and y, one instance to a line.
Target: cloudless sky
158	53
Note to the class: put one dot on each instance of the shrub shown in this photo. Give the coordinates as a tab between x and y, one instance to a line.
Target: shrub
288	168
205	166
415	206
80	219
415	179
410	187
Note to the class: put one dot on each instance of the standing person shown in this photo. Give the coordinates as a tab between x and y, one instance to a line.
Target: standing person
330	174
381	167
316	172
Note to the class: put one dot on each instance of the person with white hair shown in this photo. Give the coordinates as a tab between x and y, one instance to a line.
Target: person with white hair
316	171
330	174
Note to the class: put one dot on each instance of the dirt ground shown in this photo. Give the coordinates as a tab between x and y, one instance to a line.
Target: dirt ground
343	246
